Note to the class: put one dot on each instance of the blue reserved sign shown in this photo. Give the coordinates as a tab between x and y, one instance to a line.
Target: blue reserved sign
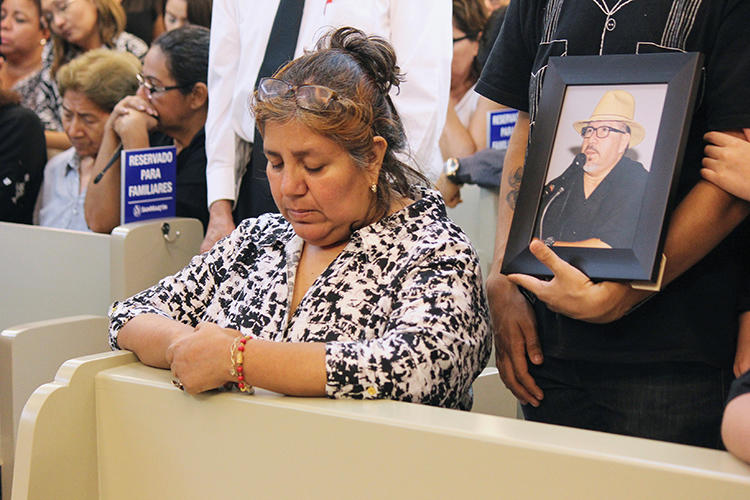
499	127
148	183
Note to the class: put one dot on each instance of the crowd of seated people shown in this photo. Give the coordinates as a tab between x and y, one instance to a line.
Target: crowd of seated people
77	87
169	108
77	26
91	85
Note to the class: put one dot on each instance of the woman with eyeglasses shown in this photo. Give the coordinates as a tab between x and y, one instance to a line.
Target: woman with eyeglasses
360	288
91	85
465	130
169	108
78	26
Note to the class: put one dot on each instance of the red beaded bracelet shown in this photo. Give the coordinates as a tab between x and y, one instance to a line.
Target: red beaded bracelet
237	354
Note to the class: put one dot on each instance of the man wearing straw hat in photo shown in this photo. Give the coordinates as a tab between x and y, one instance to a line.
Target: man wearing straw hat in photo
597	199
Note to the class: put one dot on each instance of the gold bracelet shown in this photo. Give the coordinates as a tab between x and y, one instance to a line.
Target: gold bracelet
237	357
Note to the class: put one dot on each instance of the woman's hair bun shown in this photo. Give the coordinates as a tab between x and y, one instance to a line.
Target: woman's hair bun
374	54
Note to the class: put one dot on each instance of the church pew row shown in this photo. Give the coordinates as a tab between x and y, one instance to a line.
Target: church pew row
50	273
31	354
110	428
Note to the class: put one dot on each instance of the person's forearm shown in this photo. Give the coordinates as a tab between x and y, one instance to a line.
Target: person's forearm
735	428
510	184
57	140
102	204
699	223
478	123
456	141
294	368
149	336
135	138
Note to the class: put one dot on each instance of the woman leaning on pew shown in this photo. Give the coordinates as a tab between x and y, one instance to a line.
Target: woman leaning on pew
361	287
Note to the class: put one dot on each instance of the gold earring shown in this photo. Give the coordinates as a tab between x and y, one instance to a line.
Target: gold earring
374	188
43	42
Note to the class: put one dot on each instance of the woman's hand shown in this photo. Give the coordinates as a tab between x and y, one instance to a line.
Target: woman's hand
133	115
572	293
450	190
201	361
727	162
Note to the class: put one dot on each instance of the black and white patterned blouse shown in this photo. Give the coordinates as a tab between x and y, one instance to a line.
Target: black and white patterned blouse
402	309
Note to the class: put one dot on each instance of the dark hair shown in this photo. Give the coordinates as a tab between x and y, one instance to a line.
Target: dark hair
470	17
38	5
199	12
186	50
362	70
490	34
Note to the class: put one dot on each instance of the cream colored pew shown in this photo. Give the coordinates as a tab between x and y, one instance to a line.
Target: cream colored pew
49	273
111	428
492	397
30	355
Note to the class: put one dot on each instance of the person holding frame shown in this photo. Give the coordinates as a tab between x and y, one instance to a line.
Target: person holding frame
604	355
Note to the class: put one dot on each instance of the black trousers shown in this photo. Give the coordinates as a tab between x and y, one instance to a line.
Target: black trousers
680	402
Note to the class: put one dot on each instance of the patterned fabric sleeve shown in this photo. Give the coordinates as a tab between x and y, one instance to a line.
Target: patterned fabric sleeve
184	296
48	100
127	42
436	340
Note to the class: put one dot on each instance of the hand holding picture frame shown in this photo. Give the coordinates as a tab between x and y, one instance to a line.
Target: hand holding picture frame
603	162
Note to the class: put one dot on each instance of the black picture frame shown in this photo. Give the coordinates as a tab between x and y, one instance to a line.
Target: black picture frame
680	72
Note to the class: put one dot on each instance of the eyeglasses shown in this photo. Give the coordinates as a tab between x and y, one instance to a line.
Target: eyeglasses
465	37
57	9
309	97
155	89
601	132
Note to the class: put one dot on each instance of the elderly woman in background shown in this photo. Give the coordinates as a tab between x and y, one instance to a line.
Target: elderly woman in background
91	85
23	36
78	26
169	108
178	13
360	288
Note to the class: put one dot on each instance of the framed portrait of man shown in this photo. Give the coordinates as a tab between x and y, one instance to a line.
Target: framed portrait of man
604	155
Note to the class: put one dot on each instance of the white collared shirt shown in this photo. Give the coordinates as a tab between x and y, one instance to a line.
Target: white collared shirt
61	200
419	30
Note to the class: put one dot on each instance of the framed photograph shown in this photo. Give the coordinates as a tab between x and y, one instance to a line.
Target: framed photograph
603	162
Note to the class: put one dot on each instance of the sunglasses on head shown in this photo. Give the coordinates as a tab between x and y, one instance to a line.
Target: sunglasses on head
309	97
